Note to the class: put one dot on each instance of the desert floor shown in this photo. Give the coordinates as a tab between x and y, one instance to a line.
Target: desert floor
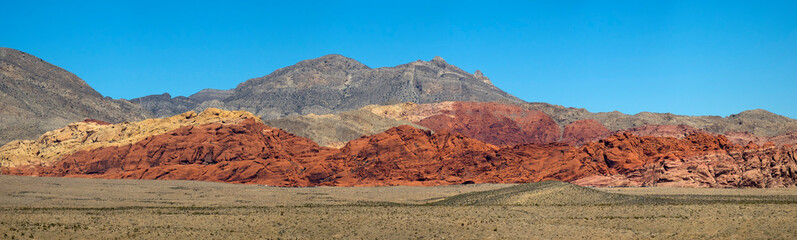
64	208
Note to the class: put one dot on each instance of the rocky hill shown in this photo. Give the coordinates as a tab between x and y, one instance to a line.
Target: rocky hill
36	96
758	122
335	83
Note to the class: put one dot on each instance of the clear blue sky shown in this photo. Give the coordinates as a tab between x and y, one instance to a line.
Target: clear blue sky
684	57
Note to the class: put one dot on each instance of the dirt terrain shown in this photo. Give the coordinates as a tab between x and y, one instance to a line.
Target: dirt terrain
48	208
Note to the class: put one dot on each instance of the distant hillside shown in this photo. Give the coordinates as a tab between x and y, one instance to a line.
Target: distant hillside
36	96
758	122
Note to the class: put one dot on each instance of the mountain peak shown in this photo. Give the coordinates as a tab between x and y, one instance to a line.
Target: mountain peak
332	61
335	83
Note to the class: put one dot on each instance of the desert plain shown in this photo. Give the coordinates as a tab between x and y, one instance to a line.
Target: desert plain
76	208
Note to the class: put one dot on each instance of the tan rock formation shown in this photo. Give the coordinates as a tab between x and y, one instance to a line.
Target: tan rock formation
89	135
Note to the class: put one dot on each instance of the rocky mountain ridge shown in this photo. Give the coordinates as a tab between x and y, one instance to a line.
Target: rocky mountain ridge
758	122
36	96
334	83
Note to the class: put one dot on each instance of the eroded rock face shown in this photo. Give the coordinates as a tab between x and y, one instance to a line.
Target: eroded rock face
752	166
494	123
251	152
91	134
409	156
697	160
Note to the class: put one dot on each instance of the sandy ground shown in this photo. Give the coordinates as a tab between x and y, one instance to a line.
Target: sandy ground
64	208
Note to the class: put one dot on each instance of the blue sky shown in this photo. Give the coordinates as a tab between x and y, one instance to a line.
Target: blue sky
684	57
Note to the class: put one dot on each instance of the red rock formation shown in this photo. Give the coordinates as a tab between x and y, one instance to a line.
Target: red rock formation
583	131
408	156
251	152
751	166
495	123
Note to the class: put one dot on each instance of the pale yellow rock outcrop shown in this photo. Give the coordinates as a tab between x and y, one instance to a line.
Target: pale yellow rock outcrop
88	135
409	111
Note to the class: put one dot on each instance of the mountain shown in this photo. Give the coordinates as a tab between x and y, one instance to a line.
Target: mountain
759	122
334	83
36	96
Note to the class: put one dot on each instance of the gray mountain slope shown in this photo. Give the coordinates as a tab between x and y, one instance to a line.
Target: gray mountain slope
164	105
36	96
334	83
209	94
